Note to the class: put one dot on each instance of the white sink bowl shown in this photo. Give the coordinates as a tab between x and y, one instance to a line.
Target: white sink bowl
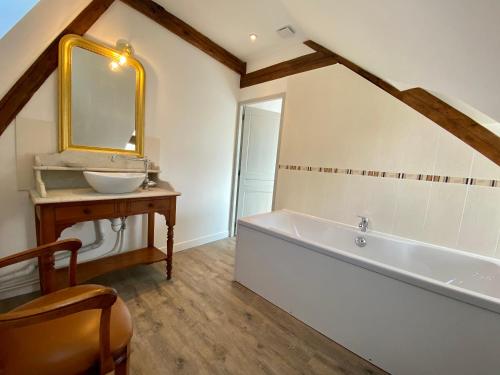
114	183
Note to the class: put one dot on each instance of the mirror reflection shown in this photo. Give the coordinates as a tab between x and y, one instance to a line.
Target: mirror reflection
102	98
103	101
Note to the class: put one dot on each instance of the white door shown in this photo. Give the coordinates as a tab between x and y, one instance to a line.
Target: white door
259	146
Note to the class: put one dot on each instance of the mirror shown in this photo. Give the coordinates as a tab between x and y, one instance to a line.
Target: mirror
101	98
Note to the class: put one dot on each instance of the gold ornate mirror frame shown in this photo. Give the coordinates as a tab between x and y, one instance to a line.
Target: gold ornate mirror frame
66	45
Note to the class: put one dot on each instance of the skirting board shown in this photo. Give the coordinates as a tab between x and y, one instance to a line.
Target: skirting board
28	284
198	241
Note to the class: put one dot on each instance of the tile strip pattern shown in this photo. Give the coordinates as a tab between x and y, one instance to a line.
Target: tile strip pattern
399	175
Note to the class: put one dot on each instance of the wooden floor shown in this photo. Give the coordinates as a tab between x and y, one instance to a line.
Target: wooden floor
201	322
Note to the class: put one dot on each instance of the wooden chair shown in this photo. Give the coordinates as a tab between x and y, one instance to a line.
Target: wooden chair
84	329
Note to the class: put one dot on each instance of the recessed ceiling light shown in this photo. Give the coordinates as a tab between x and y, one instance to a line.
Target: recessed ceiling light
253	37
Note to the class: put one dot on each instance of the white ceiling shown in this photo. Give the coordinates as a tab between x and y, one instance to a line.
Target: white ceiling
447	46
451	47
230	22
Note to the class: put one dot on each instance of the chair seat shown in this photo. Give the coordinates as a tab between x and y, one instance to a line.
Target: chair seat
67	345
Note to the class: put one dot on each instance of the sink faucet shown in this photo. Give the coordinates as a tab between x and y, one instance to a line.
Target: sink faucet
363	224
146	184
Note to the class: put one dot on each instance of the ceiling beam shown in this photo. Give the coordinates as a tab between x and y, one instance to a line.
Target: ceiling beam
438	111
26	86
298	65
180	28
449	118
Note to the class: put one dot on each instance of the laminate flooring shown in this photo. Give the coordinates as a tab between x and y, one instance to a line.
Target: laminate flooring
202	322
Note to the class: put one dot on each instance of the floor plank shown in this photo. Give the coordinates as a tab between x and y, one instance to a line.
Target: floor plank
201	322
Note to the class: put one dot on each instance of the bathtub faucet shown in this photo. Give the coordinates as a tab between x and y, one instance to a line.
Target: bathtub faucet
363	224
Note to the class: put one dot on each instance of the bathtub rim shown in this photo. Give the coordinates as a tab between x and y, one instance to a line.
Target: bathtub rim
451	291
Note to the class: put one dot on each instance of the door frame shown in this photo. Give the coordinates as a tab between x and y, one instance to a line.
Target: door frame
237	155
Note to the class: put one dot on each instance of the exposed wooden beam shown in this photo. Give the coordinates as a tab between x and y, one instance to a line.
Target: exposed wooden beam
180	28
460	125
298	65
26	86
444	115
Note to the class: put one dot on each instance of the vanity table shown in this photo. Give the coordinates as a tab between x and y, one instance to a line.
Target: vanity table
62	208
101	132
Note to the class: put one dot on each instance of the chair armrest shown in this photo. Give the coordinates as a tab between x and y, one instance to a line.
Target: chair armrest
71	244
47	251
99	297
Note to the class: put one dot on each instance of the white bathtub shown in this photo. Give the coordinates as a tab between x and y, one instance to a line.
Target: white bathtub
409	307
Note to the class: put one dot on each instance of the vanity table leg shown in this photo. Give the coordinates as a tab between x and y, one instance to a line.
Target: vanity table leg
37	228
46	234
170	249
151	229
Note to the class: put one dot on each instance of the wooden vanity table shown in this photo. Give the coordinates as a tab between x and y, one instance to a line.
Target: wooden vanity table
93	139
63	208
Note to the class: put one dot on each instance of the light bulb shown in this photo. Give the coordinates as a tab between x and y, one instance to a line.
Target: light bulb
113	65
253	37
122	60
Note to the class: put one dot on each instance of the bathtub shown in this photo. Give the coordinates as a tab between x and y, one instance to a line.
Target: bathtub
406	306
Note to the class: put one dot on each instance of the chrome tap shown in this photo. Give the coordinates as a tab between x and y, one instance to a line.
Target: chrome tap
363	224
360	241
147	183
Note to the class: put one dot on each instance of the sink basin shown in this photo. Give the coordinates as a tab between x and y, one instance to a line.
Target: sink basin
114	183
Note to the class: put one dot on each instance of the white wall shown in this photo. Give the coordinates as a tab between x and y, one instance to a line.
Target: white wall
334	118
191	105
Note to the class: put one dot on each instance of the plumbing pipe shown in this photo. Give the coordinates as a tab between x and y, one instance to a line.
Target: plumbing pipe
117	225
119	238
22	271
31	266
99	240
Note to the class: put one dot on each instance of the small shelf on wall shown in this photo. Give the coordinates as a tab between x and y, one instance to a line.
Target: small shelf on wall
65	170
92	169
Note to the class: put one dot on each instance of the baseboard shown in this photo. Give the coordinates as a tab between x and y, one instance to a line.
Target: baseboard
27	285
179	246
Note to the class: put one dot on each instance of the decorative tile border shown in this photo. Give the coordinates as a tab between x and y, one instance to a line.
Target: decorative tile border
398	175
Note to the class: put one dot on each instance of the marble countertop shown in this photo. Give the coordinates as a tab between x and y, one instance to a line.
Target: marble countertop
87	194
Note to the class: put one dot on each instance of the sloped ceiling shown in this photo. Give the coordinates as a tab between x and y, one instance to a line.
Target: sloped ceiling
229	23
450	47
33	33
